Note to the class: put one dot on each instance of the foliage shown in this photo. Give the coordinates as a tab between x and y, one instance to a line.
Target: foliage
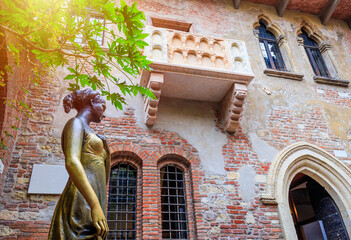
57	32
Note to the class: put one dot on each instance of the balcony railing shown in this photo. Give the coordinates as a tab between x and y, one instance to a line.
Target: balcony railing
197	67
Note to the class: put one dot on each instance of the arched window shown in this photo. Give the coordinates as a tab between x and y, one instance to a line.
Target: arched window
270	49
122	202
173	203
314	55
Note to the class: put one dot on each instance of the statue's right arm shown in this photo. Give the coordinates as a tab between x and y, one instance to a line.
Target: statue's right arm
73	139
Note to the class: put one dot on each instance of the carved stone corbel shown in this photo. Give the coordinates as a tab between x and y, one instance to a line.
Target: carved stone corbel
232	107
324	47
281	40
256	32
299	41
151	105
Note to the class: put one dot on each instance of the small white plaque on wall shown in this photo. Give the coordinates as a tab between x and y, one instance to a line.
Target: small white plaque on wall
340	153
47	179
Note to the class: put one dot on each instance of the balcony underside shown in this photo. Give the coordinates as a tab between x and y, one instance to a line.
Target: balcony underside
197	83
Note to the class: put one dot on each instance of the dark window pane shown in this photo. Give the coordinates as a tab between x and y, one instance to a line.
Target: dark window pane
121	212
307	41
270	50
314	55
265	55
317	56
263	33
174	219
276	56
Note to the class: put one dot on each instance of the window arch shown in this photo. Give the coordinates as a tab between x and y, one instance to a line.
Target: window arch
270	49
124	207
314	55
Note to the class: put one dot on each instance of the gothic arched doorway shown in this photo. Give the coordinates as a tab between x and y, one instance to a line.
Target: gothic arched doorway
315	214
307	159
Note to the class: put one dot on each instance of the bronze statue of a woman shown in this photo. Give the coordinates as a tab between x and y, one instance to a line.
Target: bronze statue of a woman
81	210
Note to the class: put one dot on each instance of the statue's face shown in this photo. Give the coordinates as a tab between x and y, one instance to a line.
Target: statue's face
98	106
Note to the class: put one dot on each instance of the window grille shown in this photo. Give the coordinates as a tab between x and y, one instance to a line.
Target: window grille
314	55
173	203
270	49
122	202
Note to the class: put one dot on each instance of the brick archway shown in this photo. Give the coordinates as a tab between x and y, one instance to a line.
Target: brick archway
190	158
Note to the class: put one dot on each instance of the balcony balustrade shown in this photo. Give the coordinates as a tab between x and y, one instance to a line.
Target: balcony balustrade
196	67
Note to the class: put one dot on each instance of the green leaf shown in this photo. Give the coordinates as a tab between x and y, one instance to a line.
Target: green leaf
26	91
8	134
24	105
14	127
70	76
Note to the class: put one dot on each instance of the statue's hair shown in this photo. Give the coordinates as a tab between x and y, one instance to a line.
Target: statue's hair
78	99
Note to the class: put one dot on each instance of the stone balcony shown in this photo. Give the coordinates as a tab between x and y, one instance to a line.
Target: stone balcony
195	67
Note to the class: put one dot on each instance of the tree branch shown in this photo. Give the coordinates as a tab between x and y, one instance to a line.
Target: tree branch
46	50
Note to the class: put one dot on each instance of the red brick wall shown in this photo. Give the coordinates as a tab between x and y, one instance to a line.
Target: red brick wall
11	114
25	216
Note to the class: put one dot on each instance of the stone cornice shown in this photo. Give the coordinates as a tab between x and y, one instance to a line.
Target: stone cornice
283	74
331	81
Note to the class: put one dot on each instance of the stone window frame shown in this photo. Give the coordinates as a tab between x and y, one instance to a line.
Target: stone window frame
284	48
315	162
136	162
185	166
266	50
327	54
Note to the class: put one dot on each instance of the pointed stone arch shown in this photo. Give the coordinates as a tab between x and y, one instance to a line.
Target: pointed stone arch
282	43
312	31
313	161
325	48
272	27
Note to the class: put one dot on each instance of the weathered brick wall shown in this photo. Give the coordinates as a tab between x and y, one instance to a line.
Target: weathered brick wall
221	205
13	93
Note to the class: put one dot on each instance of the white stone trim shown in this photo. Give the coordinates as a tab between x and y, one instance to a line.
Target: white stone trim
313	161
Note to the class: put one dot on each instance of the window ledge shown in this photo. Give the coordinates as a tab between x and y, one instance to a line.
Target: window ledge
283	74
331	81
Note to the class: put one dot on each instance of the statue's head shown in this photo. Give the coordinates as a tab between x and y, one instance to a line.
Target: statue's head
83	99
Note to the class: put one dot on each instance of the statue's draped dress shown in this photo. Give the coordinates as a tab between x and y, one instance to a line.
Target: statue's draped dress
72	217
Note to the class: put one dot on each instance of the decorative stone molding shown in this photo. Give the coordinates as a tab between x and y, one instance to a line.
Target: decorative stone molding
232	107
283	74
312	32
313	161
184	48
325	46
196	67
281	40
272	27
151	105
331	81
256	33
299	41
